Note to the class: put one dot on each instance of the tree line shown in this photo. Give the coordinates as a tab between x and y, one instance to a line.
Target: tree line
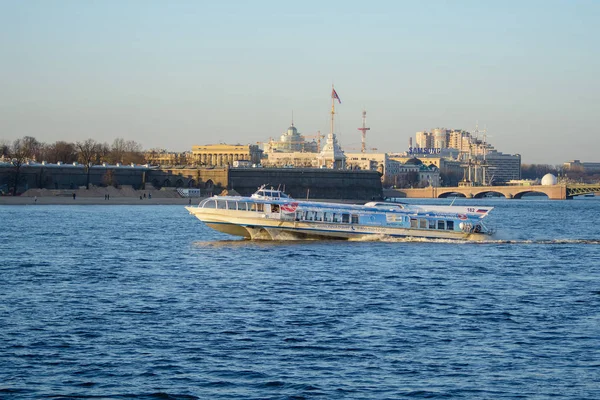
88	152
120	151
573	174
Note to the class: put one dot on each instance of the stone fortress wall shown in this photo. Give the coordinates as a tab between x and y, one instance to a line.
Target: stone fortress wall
298	182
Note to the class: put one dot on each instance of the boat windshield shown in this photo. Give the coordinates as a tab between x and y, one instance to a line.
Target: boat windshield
270	194
208	203
382	204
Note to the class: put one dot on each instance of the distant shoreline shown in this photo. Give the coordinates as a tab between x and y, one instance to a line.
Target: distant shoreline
116	200
112	196
99	196
81	200
43	201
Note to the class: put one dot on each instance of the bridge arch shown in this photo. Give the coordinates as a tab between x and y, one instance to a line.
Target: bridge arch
445	195
519	195
488	193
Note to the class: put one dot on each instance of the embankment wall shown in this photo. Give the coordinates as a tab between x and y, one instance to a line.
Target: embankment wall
299	183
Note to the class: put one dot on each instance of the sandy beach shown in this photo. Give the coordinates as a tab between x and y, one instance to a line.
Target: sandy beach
113	196
19	200
95	196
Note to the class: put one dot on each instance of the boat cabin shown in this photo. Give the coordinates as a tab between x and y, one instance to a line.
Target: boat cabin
269	194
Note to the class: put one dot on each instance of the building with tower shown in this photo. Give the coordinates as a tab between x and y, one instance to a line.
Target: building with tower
291	141
481	164
332	156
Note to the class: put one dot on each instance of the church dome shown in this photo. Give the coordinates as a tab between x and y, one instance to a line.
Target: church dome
413	161
549	179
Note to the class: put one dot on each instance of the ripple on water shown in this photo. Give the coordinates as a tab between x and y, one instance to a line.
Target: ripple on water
146	302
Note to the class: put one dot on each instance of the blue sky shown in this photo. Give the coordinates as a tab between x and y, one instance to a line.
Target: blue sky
172	74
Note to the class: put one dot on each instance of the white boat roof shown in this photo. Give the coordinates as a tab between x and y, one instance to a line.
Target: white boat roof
411	209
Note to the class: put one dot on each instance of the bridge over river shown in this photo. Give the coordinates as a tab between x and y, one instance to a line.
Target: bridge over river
554	192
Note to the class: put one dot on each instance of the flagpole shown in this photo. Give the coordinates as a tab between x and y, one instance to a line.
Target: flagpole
332	108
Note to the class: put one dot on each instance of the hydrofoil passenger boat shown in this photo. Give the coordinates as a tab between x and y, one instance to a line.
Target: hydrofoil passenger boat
270	214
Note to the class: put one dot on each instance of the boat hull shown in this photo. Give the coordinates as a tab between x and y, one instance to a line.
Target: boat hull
249	226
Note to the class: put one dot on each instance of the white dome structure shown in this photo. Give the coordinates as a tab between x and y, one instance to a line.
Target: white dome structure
549	179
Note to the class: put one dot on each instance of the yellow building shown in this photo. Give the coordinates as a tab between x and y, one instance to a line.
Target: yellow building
225	154
294	159
163	157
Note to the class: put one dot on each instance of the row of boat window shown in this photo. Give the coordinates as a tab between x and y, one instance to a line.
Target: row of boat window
300	216
323	216
422	223
234	205
326	216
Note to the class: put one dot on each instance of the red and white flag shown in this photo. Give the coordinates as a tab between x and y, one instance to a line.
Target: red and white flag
289	207
334	95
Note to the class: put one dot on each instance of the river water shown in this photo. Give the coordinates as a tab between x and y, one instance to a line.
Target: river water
147	302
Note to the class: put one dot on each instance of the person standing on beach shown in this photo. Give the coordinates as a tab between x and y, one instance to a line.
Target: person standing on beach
35	199
74	195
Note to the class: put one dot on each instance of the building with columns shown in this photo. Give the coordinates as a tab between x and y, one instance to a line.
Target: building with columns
163	157
225	154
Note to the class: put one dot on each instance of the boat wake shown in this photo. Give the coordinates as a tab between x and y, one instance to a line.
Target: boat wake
388	239
492	240
254	242
547	241
479	242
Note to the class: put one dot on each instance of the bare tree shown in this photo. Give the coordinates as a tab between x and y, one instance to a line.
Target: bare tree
19	153
87	153
61	151
533	171
4	148
33	147
126	151
103	154
117	150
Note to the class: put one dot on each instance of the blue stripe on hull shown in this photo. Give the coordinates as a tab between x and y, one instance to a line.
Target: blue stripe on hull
317	231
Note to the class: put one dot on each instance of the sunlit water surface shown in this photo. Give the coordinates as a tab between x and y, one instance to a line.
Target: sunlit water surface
147	302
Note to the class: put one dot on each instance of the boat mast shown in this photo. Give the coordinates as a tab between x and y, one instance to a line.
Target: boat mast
364	129
484	164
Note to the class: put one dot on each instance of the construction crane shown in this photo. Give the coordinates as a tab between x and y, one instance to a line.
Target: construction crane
364	130
362	149
302	143
318	136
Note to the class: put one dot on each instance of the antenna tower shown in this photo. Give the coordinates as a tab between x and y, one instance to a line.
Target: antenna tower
364	130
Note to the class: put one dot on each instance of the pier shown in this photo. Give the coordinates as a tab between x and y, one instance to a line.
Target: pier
554	192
